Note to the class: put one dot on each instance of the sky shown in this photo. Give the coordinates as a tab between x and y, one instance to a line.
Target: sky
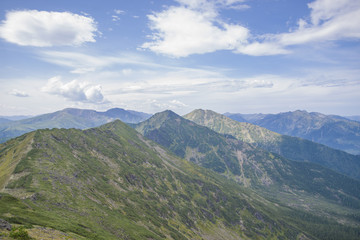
239	56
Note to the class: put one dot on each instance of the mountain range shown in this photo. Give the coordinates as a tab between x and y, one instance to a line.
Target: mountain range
289	147
250	166
111	183
200	176
68	118
354	118
331	130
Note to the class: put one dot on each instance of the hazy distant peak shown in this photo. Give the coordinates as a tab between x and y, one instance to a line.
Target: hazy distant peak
163	116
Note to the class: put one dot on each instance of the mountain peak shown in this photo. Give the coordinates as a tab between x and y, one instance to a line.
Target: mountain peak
115	111
165	115
159	118
205	114
206	111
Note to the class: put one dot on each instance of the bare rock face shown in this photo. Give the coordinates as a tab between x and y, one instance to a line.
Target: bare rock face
5	225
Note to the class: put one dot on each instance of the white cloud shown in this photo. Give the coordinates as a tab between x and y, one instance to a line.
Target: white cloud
261	49
127	71
177	103
80	63
75	90
154	105
330	21
18	93
323	10
115	18
46	29
181	31
84	63
211	4
119	12
196	27
240	7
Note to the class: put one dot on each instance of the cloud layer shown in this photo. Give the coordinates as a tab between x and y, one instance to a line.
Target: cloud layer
18	93
46	29
75	90
196	27
330	21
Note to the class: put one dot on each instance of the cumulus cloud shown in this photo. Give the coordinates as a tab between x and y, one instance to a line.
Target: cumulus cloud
75	90
46	29
195	27
18	93
181	31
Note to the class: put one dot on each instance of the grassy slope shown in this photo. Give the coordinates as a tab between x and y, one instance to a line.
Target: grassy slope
289	147
110	183
296	184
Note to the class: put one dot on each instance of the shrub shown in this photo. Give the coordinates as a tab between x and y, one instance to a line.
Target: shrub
20	233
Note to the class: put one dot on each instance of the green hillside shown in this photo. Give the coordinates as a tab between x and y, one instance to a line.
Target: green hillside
290	147
296	184
111	183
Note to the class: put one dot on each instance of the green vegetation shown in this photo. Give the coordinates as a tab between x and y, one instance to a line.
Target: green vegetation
193	142
112	183
298	185
20	233
289	147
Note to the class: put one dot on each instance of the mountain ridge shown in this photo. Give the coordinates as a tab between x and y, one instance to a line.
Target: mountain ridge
111	183
290	147
240	161
331	130
68	118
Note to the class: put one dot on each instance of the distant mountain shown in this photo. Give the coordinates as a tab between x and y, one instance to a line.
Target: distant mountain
330	130
250	118
128	116
4	120
354	118
112	183
270	175
16	117
69	118
289	147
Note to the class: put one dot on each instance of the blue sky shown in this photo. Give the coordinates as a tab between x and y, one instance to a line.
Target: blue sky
245	56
